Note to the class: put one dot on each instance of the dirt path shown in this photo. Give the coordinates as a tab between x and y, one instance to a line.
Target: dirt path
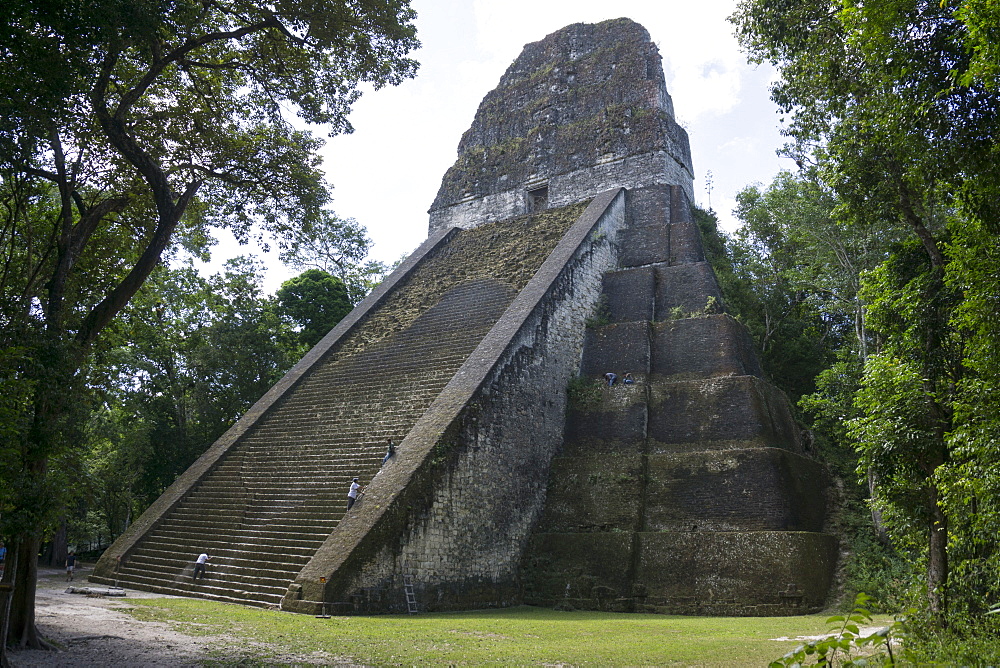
96	632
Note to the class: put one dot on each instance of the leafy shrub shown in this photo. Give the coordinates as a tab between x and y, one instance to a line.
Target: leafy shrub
845	639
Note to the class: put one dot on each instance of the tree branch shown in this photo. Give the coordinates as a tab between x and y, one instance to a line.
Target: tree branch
103	313
918	227
157	67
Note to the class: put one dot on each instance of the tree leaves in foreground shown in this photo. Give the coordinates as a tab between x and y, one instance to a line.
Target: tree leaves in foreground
130	128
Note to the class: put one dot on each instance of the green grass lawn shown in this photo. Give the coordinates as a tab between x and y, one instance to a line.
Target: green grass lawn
521	636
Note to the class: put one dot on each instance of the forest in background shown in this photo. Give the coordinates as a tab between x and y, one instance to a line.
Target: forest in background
870	278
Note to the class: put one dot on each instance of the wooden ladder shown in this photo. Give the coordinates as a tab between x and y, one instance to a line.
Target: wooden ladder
411	599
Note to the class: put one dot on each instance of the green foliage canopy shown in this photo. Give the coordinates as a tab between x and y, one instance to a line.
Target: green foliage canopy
893	105
314	301
131	128
186	358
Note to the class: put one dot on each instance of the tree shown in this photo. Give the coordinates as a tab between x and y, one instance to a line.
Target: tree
895	104
907	401
184	360
802	265
313	302
339	248
136	126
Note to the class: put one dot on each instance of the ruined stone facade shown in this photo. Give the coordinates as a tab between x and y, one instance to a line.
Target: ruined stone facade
561	246
580	112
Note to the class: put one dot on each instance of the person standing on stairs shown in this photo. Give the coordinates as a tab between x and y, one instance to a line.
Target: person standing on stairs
352	495
199	565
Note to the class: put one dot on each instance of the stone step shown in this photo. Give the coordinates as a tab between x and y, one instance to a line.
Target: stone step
315	493
200	590
306	526
288	550
250	576
280	537
279	560
262	517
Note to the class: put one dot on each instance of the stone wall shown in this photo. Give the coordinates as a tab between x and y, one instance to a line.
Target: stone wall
456	511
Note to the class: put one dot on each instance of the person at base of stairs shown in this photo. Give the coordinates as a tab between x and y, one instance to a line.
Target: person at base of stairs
356	491
389	452
611	378
627	379
199	565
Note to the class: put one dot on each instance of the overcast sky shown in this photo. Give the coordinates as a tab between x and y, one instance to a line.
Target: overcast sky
387	172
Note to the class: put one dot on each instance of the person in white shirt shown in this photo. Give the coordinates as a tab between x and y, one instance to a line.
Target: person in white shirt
352	495
199	565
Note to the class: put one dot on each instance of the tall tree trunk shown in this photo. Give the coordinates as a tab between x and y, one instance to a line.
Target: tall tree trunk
21	631
6	595
880	530
58	548
937	558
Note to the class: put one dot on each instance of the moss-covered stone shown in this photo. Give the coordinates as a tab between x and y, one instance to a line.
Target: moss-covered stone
583	95
509	251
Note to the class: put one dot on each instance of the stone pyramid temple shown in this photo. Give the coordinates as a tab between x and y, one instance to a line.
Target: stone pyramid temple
562	247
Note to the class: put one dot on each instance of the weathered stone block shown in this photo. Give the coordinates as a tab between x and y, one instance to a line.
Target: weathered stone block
680	205
620	348
618	423
743	490
739	573
594	493
720	413
650	206
715	345
579	569
644	245
646	240
630	294
685	244
685	290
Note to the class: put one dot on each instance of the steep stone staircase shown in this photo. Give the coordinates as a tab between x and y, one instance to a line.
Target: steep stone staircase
275	496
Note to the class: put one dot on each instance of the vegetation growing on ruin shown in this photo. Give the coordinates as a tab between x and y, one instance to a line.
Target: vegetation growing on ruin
583	392
601	314
509	251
